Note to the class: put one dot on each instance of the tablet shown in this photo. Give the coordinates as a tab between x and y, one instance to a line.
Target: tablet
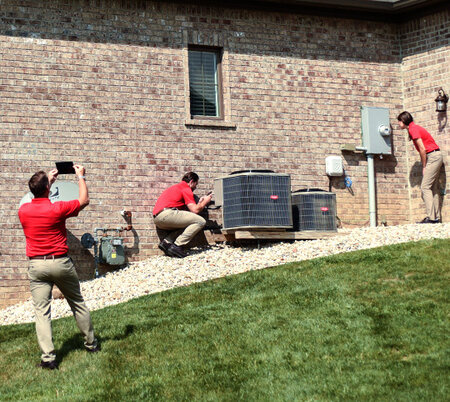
65	167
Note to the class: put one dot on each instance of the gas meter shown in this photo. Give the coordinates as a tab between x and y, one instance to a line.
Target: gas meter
111	250
108	248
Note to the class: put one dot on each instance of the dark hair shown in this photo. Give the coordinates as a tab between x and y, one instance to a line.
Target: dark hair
38	184
190	176
406	118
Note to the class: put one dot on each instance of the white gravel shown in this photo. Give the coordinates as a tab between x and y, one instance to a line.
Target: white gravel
160	273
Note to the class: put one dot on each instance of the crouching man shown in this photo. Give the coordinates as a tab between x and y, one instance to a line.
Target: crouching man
44	226
175	211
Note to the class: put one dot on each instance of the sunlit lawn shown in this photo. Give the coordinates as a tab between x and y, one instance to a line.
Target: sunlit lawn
368	325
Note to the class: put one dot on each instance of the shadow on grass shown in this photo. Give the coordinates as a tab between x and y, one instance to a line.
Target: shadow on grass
73	343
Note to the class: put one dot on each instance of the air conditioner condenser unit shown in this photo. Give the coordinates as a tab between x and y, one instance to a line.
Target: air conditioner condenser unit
314	210
254	199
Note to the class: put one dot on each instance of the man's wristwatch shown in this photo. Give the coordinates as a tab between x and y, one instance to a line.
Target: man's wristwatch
82	177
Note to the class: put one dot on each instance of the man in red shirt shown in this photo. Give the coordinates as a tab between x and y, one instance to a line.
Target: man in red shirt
176	210
432	160
44	226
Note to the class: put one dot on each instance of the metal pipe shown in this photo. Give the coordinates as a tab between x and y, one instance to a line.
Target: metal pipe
371	182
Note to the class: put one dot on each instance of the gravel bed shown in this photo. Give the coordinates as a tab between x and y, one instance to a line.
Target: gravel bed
160	273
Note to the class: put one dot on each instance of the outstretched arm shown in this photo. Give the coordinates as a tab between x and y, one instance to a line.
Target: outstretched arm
83	196
52	175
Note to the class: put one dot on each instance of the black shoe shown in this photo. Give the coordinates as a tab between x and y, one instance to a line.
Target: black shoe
176	251
94	350
48	365
164	246
428	220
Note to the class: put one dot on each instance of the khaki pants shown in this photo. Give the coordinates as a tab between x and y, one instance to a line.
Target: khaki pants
43	274
430	184
187	223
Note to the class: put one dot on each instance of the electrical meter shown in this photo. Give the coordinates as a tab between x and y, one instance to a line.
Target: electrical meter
376	130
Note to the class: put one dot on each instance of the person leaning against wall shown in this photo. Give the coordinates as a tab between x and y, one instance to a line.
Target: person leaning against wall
44	226
177	211
432	160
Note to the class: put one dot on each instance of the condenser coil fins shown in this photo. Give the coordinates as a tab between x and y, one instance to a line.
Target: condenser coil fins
254	199
314	210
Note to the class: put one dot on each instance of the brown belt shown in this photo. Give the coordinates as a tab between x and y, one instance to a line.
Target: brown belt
434	150
47	257
162	210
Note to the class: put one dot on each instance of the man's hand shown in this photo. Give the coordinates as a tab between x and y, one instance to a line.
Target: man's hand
79	170
52	175
83	191
202	203
206	199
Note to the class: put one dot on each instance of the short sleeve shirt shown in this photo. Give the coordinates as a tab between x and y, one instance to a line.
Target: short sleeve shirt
176	196
416	132
44	225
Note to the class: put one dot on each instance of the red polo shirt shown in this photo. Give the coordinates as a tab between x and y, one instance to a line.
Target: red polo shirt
416	132
176	196
44	225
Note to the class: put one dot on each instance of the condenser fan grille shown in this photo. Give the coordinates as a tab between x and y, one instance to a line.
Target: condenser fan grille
314	211
257	200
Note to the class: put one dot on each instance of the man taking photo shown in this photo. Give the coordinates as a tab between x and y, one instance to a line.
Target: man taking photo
44	226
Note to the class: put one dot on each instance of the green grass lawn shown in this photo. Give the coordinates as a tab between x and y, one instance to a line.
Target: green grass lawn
368	325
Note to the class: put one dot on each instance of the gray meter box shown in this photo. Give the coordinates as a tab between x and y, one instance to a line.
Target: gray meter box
376	130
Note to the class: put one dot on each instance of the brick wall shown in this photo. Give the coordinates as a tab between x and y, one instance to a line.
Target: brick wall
426	68
104	84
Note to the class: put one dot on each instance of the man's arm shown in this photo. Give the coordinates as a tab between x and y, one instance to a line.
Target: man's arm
52	175
422	151
203	202
83	196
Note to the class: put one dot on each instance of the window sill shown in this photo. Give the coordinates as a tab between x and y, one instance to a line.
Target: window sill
226	125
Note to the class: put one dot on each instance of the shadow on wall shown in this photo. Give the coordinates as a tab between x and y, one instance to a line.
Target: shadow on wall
71	21
442	119
104	268
200	239
84	258
442	187
134	249
415	175
415	180
354	159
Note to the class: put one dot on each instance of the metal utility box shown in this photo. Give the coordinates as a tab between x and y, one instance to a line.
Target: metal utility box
314	210
111	250
376	130
254	199
333	166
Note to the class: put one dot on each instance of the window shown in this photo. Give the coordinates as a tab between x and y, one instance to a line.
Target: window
204	82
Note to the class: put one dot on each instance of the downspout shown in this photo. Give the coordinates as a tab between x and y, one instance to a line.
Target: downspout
371	182
371	185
